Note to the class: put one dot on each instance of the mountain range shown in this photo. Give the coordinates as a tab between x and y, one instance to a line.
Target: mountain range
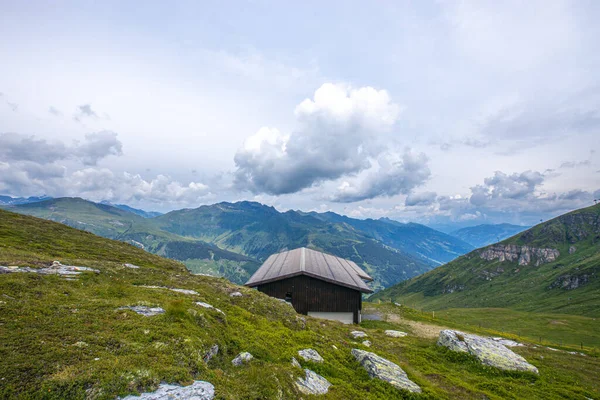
551	267
483	235
232	239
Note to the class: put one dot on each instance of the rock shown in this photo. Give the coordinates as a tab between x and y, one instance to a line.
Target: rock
199	390
132	266
242	358
380	368
310	355
144	310
366	343
524	255
235	294
55	269
395	334
295	363
213	351
206	305
507	342
486	350
570	282
358	334
184	291
572	249
313	383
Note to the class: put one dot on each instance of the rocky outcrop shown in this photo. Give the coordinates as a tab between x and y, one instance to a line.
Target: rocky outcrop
486	350
572	249
396	334
312	383
310	355
55	269
524	255
380	368
144	310
570	281
199	390
242	358
295	363
453	288
358	334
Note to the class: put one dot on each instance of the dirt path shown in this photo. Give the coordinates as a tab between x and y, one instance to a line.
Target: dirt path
420	329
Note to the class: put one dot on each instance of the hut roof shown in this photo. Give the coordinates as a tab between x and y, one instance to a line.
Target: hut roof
312	263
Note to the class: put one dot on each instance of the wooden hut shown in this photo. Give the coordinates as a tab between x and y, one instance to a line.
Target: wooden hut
315	283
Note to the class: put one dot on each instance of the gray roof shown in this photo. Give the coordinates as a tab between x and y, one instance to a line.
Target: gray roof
312	263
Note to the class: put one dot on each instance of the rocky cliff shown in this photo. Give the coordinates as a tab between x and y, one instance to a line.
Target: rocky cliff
524	255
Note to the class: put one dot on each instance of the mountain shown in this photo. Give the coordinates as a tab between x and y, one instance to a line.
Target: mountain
482	235
553	267
137	211
8	200
232	239
120	224
258	231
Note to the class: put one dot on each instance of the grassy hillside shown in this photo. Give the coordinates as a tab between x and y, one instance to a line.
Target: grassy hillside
122	224
483	235
69	339
568	283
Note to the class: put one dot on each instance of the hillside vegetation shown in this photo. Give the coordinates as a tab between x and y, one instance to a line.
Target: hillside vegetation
552	267
70	338
232	239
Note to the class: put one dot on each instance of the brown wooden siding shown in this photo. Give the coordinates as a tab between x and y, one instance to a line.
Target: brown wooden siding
310	294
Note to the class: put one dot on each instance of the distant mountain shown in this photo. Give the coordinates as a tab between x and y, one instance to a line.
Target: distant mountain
232	239
141	213
552	267
8	200
482	235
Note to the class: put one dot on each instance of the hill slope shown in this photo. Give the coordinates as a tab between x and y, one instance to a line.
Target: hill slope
70	337
482	235
554	266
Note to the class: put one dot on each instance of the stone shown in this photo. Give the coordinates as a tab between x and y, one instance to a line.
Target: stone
206	305
572	249
213	351
486	350
55	269
184	291
310	355
367	343
358	334
506	342
242	358
295	363
199	390
132	266
312	383
396	334
235	294
385	370
144	310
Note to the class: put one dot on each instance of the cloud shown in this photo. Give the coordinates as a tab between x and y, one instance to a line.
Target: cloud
420	199
13	106
85	111
54	111
503	186
15	147
340	132
575	164
395	175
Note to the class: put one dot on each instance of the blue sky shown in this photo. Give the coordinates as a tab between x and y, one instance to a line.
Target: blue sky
437	112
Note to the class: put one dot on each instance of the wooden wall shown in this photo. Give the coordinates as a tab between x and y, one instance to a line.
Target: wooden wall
310	294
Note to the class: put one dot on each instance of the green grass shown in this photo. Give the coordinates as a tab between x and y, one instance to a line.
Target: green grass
68	340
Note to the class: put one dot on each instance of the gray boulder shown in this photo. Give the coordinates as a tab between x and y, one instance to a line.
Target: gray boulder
310	355
242	358
367	343
206	305
235	294
199	390
295	363
358	334
313	383
144	310
486	350
380	368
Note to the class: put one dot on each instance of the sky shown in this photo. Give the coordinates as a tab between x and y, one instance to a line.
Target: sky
449	113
